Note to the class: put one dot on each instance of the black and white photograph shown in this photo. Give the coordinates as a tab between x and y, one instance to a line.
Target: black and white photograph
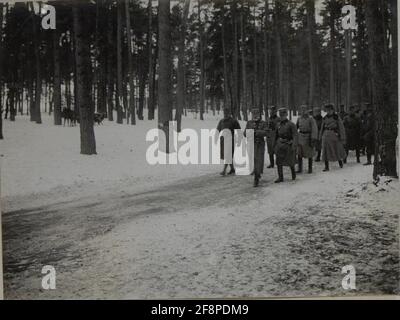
199	149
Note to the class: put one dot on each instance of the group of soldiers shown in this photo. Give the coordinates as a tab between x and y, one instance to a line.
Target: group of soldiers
329	138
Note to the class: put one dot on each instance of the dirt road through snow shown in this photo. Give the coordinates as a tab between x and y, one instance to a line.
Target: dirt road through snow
209	236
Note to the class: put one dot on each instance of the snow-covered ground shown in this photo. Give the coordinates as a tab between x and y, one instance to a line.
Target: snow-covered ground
115	227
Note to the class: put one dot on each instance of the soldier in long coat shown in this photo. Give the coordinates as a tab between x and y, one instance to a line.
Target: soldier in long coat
272	123
307	135
285	145
318	119
368	133
260	132
228	122
352	125
333	138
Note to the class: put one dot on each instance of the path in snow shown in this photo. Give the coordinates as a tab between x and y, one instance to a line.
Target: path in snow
210	236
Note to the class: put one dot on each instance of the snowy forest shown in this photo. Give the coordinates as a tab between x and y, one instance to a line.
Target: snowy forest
173	57
82	85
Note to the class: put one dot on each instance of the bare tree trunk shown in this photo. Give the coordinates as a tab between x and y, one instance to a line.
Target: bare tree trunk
201	49
332	46
57	79
38	89
226	90
243	58
266	61
236	107
310	4
130	65
348	49
181	94
119	64
279	54
385	112
257	103
1	71
84	81
110	64
151	101
165	68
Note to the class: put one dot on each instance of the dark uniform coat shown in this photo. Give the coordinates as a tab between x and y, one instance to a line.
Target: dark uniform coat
368	133
286	143
260	132
352	125
318	119
230	124
308	133
333	137
271	133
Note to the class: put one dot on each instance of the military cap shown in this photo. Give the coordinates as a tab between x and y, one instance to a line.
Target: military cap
329	106
272	108
283	109
255	110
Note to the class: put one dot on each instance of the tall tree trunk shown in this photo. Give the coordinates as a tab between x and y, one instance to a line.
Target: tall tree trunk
266	61
38	88
119	64
84	80
279	54
332	48
243	58
385	112
110	69
235	62
151	101
310	5
56	79
257	100
349	53
165	68
201	49
181	94
224	57
130	65
1	71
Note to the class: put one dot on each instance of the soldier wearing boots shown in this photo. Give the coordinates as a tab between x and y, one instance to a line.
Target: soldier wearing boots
333	138
285	145
272	122
352	125
368	133
228	122
307	135
260	132
318	119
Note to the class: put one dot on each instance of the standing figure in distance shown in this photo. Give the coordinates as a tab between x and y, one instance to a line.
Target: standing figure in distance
333	138
368	133
285	145
318	119
352	125
228	122
307	135
272	123
260	132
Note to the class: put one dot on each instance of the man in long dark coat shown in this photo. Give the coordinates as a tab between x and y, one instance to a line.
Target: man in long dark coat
318	119
307	135
352	125
260	132
272	123
228	122
333	138
368	133
285	145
